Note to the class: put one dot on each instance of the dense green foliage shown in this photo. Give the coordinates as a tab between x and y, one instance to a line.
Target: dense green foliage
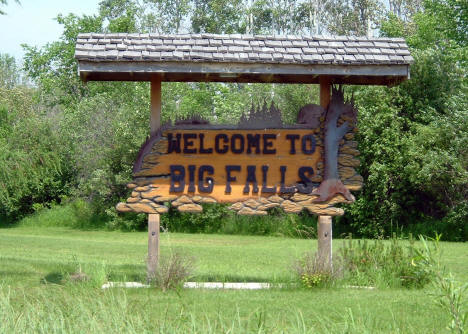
63	140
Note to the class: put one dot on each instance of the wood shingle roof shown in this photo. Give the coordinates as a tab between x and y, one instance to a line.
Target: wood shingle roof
242	58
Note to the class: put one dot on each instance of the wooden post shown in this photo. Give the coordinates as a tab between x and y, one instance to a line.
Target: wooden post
153	245
153	219
325	88
155	119
324	223
324	238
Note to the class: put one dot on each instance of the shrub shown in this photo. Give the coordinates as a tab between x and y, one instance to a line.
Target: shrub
217	218
173	271
76	214
34	165
312	273
129	221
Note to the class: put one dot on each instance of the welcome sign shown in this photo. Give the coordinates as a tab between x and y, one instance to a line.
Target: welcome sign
235	164
309	165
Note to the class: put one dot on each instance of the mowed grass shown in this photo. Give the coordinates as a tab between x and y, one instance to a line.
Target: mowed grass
35	296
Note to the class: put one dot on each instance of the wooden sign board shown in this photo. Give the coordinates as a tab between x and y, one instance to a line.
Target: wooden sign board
253	168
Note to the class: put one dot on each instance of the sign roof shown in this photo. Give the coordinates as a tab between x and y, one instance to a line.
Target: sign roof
242	58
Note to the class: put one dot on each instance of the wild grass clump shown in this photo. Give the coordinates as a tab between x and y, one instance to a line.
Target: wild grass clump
314	273
76	272
173	271
394	263
397	263
453	299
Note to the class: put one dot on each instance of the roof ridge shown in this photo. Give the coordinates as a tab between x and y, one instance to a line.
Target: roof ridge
239	36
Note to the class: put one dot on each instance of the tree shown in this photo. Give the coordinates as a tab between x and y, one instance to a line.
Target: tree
413	138
218	16
167	16
356	17
4	3
405	9
9	71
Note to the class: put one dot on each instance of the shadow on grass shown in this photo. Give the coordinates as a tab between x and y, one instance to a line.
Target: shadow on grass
127	272
53	278
126	277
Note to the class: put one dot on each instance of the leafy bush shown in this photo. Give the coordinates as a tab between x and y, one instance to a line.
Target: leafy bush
34	170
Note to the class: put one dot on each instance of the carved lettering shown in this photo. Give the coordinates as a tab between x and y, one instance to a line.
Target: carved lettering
177	176
204	150
229	177
283	188
305	186
265	188
253	141
237	148
173	145
188	143
267	143
292	139
251	178
308	144
191	188
225	140
205	185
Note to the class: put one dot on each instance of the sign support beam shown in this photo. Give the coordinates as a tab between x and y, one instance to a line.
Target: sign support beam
155	118
153	245
153	219
324	223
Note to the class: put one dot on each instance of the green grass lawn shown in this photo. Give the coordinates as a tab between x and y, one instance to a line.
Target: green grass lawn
29	257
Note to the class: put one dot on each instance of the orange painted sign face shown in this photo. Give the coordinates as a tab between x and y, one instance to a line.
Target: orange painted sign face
231	165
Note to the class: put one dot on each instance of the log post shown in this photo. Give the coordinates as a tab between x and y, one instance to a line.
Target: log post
153	245
153	219
324	238
325	91
155	118
324	223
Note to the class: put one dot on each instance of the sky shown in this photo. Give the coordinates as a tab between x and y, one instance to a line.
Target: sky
32	22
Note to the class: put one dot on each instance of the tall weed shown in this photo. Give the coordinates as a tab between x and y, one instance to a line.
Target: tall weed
82	309
453	300
173	270
389	264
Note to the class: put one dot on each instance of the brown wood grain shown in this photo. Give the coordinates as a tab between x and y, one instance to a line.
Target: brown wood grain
325	89
155	118
153	245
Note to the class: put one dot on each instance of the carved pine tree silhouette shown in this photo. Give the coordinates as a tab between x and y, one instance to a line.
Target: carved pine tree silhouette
261	118
331	184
